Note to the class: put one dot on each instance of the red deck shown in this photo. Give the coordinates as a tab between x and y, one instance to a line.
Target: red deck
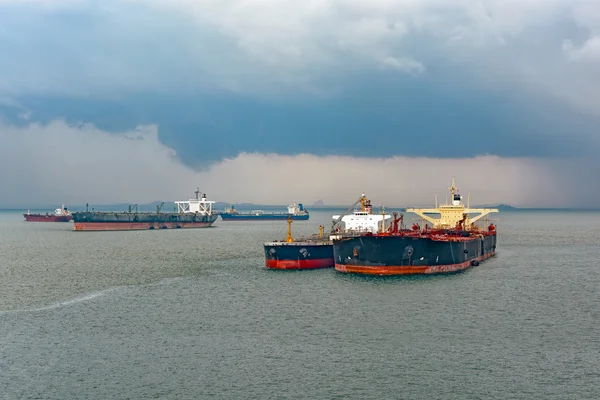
440	235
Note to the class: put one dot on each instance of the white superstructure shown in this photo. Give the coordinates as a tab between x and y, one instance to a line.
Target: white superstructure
362	220
59	212
198	205
295	209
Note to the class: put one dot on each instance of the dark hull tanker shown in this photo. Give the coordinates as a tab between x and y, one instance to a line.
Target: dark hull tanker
193	213
296	212
108	221
263	217
316	251
398	254
451	243
309	254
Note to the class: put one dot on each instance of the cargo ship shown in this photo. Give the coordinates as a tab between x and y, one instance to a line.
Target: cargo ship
316	251
61	214
450	243
193	213
295	211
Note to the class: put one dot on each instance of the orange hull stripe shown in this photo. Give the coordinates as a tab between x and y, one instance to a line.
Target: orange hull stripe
407	269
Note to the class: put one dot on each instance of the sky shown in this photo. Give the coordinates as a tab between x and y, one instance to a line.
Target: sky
280	101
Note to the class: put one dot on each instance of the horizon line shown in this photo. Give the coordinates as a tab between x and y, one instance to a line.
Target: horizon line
321	206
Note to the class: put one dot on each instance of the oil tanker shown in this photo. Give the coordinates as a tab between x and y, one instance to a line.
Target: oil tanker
304	253
453	242
295	212
60	215
317	251
193	213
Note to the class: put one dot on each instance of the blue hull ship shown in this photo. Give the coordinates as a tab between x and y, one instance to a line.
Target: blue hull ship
296	212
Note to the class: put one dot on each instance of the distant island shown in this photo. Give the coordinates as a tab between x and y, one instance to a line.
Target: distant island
168	206
500	207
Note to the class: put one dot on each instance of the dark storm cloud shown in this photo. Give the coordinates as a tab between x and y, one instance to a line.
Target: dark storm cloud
442	78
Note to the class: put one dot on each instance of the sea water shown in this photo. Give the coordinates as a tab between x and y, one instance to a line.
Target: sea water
195	314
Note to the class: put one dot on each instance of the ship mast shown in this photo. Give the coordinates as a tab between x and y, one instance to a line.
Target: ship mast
289	232
452	188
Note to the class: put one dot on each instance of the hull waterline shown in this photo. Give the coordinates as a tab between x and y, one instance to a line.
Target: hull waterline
396	255
131	226
298	255
410	270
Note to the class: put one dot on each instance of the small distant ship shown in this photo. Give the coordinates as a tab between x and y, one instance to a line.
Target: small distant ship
452	243
296	212
61	214
193	213
316	251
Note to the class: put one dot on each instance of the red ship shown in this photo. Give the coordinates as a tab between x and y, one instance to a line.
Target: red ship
60	215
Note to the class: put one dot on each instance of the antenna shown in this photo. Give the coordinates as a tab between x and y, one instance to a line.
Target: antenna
452	188
197	192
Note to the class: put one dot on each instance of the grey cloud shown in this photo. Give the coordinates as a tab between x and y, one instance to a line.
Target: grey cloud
588	51
273	46
62	164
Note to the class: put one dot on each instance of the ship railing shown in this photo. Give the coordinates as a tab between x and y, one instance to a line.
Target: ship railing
354	232
432	234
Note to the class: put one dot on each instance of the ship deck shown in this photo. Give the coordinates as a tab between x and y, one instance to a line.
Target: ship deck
315	242
433	235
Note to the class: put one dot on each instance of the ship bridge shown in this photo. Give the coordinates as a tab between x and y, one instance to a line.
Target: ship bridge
454	214
363	220
198	205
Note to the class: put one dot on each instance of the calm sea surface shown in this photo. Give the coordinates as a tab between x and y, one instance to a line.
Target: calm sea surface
194	314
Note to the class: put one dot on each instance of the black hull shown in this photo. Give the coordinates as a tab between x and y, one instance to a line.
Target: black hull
142	218
299	255
399	255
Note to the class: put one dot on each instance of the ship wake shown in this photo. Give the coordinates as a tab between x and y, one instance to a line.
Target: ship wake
61	304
